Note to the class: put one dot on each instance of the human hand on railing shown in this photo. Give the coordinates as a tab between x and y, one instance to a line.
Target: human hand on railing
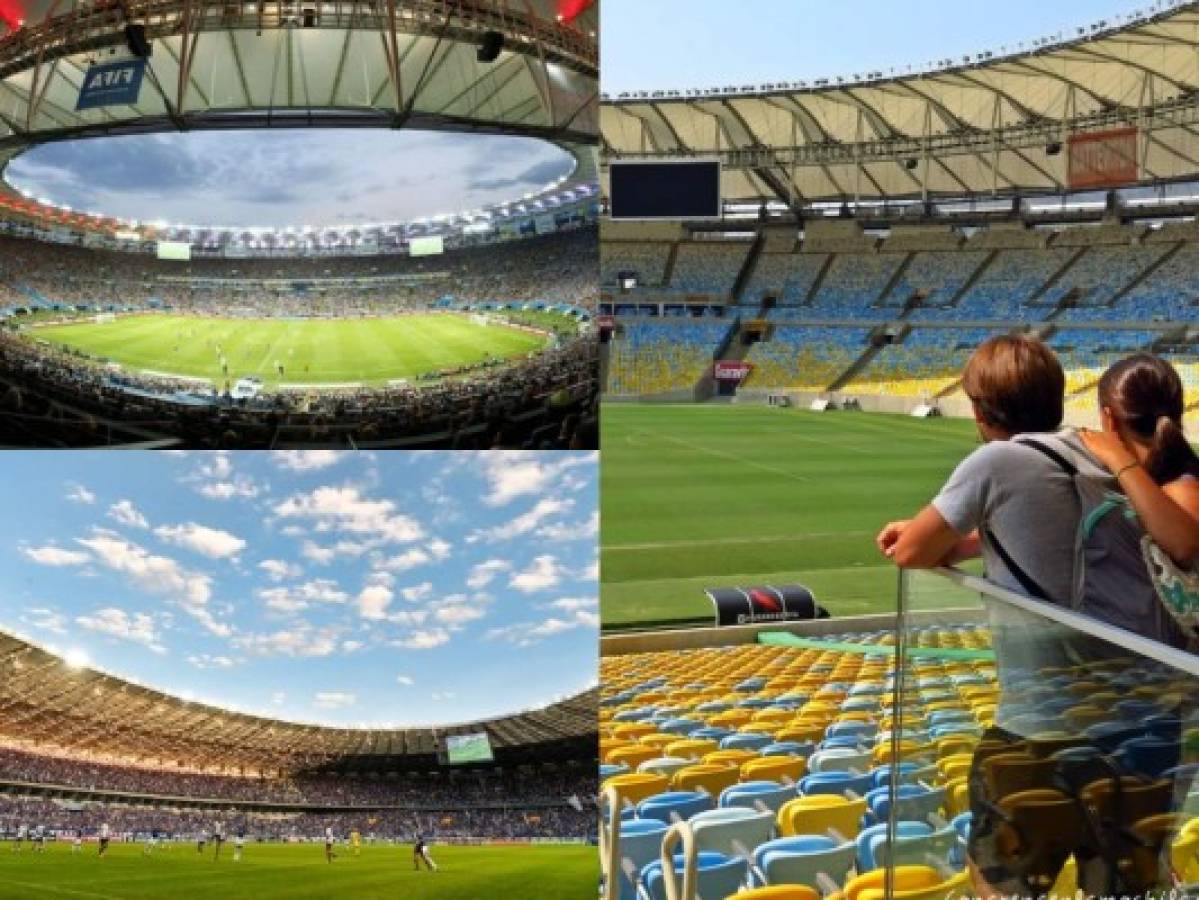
889	536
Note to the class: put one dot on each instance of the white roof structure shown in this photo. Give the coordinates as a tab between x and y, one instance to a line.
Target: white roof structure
226	64
992	123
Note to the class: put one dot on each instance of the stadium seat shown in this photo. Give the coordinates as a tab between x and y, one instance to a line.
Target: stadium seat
811	860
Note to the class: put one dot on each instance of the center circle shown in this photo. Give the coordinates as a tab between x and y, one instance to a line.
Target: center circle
318	178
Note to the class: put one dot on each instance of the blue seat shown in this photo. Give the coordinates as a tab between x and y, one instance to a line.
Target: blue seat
718	875
835	783
1148	756
915	803
607	770
865	841
667	806
789	748
640	844
770	794
1108	736
961	825
680	726
746	741
863	730
711	733
800	859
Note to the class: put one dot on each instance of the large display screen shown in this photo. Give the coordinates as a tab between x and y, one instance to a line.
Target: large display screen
461	749
672	189
177	250
426	246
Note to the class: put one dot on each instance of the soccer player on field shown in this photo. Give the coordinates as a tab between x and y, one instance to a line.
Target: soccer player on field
19	839
77	843
329	854
105	835
239	842
202	840
356	842
39	839
420	852
218	839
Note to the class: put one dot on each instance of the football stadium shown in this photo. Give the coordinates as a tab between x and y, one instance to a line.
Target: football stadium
355	325
277	675
87	755
793	277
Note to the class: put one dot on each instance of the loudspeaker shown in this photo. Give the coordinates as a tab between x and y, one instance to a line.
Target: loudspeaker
490	47
135	38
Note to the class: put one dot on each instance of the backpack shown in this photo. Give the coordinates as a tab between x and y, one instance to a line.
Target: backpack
1121	576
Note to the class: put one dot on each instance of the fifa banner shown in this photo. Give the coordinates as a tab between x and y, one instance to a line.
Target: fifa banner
755	605
1102	159
112	84
731	370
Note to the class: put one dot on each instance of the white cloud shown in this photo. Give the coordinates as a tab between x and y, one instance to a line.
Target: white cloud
55	556
565	531
409	618
208	661
526	522
240	487
515	473
574	604
126	513
456	611
424	639
405	680
278	697
443	695
344	509
439	548
280	570
591	572
211	542
409	559
334	699
482	574
527	634
542	574
46	620
305	460
138	628
320	555
351	646
296	597
300	641
373	601
79	494
418	592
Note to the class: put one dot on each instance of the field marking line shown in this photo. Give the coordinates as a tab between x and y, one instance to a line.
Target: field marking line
746	575
729	456
712	542
58	889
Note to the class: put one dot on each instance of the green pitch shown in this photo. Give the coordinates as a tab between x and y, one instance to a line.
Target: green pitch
710	496
299	872
312	351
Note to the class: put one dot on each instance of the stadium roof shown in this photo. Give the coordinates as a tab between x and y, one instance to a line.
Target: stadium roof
988	123
46	702
317	63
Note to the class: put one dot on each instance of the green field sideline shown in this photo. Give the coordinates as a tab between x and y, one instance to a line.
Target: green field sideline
312	351
299	872
708	496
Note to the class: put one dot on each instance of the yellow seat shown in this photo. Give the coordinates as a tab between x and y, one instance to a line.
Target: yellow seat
817	813
656	740
779	892
636	786
774	768
631	756
911	883
727	757
691	748
633	730
705	777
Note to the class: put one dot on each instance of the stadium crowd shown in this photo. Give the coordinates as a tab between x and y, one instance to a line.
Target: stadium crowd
24	767
518	820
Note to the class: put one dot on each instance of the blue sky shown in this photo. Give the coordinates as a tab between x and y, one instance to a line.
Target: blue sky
279	178
679	44
398	588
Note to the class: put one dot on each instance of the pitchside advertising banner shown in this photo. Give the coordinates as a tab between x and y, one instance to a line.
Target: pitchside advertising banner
731	370
112	84
1103	159
768	603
